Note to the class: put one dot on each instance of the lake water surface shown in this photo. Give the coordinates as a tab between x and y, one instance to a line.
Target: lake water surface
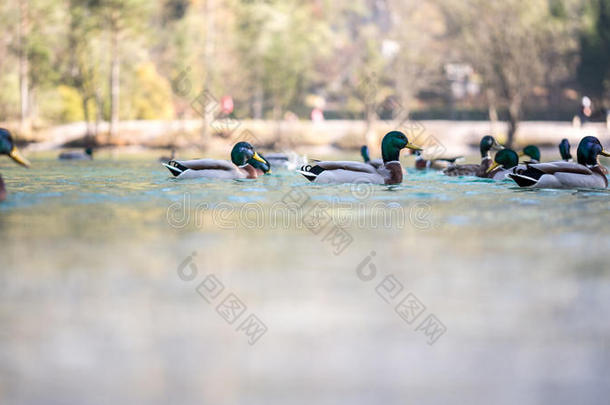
119	284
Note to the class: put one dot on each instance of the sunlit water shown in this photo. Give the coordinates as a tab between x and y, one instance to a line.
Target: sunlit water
101	261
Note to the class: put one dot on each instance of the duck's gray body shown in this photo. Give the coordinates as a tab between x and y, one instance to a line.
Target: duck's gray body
560	175
74	156
501	174
333	172
376	163
206	168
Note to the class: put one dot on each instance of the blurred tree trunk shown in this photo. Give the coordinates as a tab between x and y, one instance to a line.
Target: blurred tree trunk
259	92
277	118
208	113
115	70
99	102
370	137
88	130
24	68
492	110
514	117
257	108
512	95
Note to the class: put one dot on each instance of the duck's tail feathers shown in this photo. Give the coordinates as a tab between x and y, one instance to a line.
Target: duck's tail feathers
175	168
310	172
522	180
527	177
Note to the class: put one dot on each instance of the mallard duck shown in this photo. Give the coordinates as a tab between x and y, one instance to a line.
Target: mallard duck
587	173
7	147
359	172
487	143
436	164
564	150
364	152
532	152
506	161
242	165
86	155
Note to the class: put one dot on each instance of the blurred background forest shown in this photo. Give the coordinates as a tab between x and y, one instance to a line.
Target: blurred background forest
97	61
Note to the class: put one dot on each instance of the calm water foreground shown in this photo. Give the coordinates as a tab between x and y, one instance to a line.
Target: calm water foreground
121	285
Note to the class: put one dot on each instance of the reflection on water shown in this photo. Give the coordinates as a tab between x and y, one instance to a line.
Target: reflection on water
94	310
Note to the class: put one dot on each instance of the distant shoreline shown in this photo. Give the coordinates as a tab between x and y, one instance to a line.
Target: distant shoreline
457	136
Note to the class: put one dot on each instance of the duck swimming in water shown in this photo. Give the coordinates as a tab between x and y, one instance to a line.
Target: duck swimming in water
564	150
587	173
244	165
7	147
487	143
505	162
86	155
360	172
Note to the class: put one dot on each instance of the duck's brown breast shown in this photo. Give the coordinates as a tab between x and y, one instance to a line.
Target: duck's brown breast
249	171
2	190
395	173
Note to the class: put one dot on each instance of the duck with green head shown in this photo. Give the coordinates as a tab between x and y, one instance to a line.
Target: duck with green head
564	150
505	162
566	156
358	172
532	152
487	143
245	164
587	173
7	147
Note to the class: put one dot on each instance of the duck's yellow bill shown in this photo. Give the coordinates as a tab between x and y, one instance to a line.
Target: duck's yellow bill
412	147
17	157
604	152
256	156
521	154
492	167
